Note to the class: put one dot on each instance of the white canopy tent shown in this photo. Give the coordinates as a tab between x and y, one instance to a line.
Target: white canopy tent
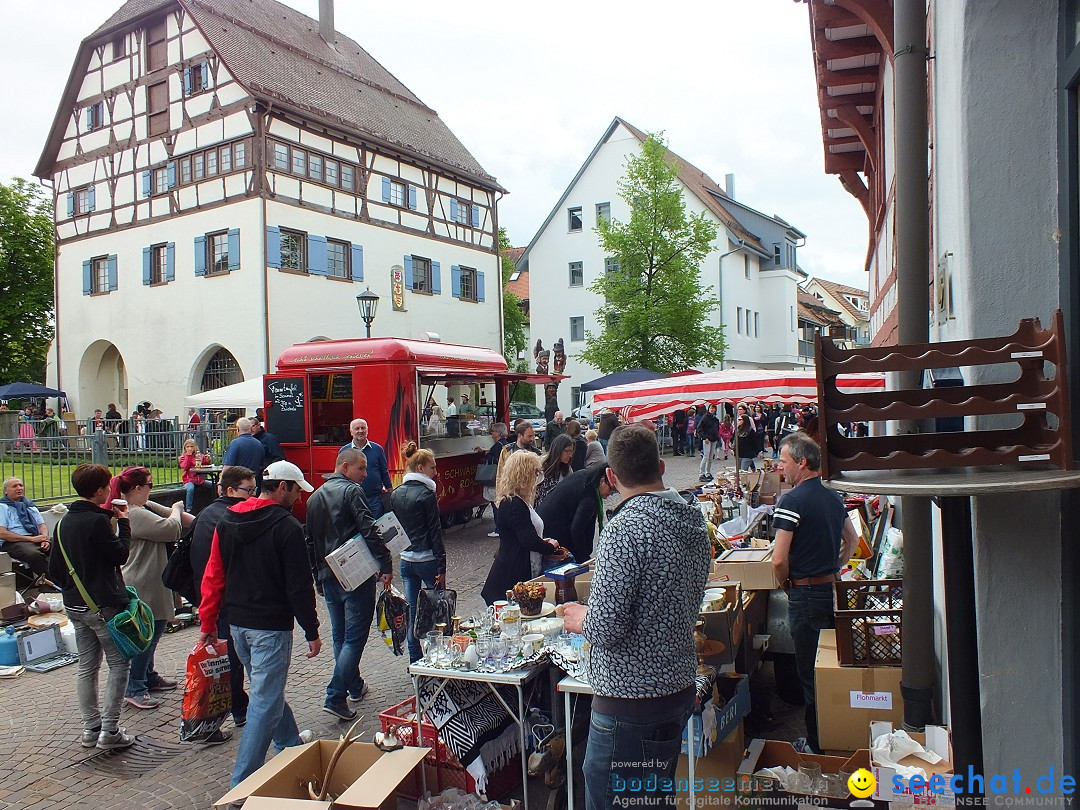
247	394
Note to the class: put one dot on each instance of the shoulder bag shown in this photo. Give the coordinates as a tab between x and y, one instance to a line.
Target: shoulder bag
433	605
132	629
178	575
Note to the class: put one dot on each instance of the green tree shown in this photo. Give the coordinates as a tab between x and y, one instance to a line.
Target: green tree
515	323
655	311
26	281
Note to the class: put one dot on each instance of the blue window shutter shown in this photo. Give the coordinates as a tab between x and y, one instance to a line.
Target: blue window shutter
234	249
146	184
479	285
87	120
91	198
206	75
171	169
170	261
455	281
436	278
474	211
273	247
412	198
408	273
147	270
187	81
316	255
453	210
386	189
71	205
112	272
200	255
87	278
358	262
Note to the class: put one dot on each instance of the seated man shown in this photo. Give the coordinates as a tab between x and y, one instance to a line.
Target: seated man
22	530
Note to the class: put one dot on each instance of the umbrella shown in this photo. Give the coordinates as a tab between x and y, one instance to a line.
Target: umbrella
20	390
647	400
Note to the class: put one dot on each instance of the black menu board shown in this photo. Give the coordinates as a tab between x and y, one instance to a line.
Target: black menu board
285	414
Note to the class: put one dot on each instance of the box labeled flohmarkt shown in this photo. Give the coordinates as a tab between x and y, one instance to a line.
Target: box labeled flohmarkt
848	698
364	778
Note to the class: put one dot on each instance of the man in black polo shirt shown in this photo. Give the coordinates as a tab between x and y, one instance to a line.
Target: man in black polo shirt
813	538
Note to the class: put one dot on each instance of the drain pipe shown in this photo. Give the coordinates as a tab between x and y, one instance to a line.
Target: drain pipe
912	275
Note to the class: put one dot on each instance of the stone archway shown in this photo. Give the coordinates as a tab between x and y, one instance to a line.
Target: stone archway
215	367
102	378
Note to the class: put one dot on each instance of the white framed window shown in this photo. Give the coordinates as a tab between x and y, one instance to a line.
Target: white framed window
757	324
161	180
240	154
398	194
225	161
185	170
573	219
281	157
315	167
421	274
738	319
348	177
199	166
100	277
159	263
211	163
332	173
467	282
603	212
337	258
611	265
82	201
577	329
577	274
299	161
217	253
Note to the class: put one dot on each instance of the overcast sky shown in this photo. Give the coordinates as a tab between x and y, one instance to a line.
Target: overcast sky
530	88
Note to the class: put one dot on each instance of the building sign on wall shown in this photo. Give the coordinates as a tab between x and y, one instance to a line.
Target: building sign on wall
397	287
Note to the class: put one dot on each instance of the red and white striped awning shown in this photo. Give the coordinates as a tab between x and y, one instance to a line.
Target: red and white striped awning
652	398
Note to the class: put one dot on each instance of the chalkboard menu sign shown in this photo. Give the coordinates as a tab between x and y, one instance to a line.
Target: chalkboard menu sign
341	388
285	413
319	385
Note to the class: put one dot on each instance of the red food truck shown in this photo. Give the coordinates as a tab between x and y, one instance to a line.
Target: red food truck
319	388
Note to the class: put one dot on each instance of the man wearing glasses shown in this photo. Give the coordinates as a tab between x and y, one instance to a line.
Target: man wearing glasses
236	484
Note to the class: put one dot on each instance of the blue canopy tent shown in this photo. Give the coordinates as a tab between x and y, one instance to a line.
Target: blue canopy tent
25	390
633	375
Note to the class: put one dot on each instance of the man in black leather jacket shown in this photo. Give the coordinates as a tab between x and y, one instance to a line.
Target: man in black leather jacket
337	512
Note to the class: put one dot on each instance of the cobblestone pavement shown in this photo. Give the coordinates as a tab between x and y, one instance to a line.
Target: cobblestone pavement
43	767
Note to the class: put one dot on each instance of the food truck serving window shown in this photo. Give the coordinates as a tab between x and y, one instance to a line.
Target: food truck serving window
473	417
331	407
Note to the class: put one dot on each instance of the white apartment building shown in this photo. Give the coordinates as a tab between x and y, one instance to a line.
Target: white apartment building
228	176
751	269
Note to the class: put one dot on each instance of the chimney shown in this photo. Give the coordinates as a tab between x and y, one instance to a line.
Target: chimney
326	21
729	183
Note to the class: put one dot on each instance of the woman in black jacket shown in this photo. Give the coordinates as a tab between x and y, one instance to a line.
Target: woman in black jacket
708	430
521	531
86	538
575	509
417	507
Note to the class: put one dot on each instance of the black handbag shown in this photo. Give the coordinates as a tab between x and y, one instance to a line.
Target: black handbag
485	474
433	606
178	575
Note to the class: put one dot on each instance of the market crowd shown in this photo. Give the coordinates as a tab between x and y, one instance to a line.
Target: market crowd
258	570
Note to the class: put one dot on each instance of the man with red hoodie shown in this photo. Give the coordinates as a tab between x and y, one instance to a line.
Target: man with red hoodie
258	570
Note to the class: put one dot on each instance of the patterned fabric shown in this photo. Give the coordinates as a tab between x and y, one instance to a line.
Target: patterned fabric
652	561
473	723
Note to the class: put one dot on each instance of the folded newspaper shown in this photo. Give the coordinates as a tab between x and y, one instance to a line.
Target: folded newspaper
352	561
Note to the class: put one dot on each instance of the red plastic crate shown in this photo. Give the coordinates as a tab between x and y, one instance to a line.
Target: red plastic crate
404	714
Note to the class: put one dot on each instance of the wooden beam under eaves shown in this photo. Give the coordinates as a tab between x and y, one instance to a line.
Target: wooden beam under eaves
835	163
847	48
827	102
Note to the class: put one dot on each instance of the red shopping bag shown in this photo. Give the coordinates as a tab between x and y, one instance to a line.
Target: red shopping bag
207	696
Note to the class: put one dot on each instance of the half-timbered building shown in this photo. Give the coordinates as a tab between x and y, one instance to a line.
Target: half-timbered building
228	176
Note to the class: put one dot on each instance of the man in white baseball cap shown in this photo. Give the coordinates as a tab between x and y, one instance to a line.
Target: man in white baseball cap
287	471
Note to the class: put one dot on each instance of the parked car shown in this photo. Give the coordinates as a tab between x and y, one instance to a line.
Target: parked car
523	410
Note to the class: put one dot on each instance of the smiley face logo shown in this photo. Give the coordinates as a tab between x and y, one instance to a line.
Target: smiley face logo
861	783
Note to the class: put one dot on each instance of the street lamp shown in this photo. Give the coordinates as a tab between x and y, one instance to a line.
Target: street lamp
368	303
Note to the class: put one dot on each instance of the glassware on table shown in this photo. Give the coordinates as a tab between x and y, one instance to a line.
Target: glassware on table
812	772
796	782
844	777
430	645
834	787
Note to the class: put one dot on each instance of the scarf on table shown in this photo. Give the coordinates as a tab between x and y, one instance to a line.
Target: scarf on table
22	509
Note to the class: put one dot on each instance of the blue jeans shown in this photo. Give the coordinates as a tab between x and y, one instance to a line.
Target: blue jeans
414	575
623	756
265	655
142	674
189	496
810	610
351	614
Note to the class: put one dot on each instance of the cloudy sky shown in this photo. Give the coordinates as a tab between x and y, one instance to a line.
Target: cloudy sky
530	87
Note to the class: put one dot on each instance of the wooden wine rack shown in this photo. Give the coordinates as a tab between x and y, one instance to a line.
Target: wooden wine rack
1031	445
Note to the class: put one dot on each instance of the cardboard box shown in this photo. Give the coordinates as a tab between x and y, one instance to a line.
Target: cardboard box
725	626
772	753
850	698
937	739
281	783
750	567
714	774
730	704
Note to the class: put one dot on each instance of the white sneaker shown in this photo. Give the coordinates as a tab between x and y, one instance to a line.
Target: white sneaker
116	739
307	735
493	534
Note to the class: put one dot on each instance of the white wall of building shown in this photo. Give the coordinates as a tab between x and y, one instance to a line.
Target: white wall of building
553	302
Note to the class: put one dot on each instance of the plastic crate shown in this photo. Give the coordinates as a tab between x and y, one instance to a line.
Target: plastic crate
441	767
869	619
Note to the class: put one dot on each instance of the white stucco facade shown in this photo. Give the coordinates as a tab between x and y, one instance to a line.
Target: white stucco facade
757	301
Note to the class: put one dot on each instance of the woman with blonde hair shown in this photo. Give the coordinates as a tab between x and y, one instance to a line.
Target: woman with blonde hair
417	507
189	460
521	531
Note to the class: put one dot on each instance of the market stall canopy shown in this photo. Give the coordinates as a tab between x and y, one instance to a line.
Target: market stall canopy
647	400
247	394
634	375
21	390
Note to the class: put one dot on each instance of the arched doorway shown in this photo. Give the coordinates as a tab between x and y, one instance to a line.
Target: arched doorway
102	378
221	369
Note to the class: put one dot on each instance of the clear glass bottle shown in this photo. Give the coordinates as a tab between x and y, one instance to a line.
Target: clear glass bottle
510	618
